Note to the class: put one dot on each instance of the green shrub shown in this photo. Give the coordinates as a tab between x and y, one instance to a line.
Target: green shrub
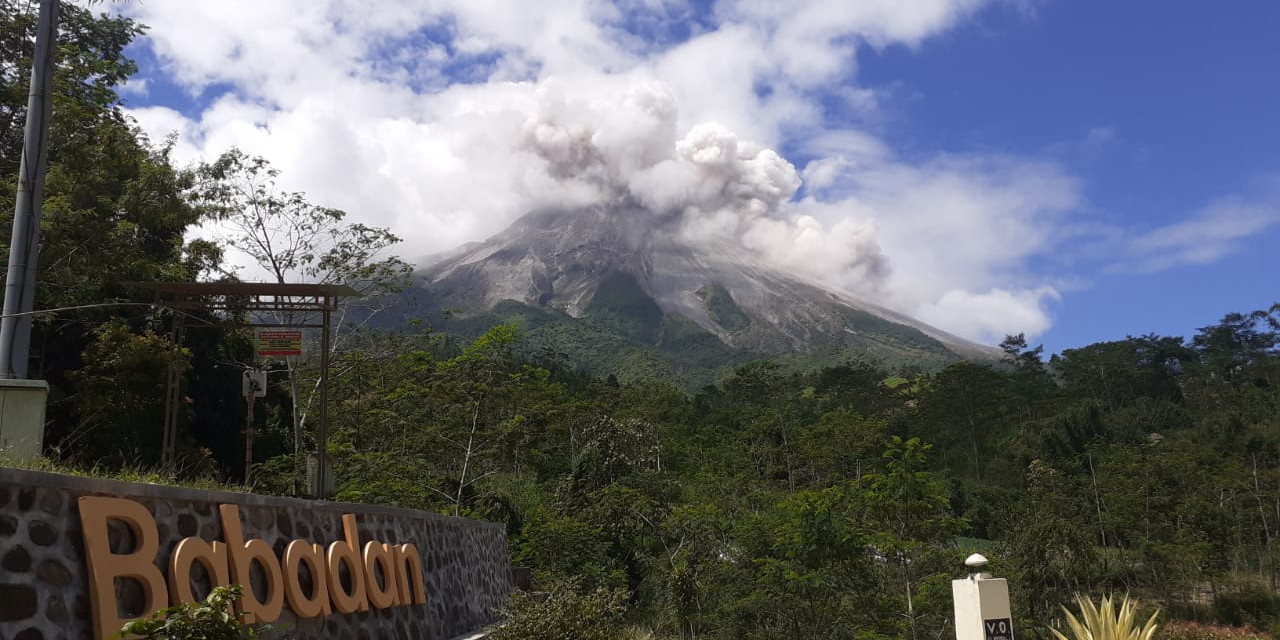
566	612
1247	605
213	619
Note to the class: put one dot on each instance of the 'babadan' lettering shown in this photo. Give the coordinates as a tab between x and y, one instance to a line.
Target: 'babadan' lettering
379	575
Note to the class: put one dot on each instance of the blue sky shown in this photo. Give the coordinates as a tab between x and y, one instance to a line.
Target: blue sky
1181	100
1078	170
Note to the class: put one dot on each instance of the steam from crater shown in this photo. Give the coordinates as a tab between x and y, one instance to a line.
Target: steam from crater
708	187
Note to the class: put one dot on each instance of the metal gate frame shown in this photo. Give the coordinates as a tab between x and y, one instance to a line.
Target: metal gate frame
243	297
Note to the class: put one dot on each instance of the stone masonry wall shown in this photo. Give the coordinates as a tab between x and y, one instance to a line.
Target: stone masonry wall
44	579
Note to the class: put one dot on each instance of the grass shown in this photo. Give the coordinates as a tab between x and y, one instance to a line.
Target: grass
173	477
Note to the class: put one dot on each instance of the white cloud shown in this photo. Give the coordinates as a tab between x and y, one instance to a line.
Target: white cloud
958	232
813	41
1099	136
991	315
134	88
1212	233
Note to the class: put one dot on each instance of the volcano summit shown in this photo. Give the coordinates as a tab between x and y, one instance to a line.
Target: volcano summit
620	290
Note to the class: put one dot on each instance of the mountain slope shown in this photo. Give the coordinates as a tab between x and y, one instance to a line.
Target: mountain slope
613	288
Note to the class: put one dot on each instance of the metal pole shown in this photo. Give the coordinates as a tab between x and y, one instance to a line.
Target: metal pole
24	247
248	438
322	433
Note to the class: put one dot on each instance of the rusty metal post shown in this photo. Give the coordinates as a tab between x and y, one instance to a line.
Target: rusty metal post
173	388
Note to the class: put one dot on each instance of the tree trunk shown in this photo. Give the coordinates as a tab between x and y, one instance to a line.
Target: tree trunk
1097	501
466	460
295	405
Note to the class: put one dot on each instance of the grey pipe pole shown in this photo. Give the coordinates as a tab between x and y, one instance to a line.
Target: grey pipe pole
322	431
24	247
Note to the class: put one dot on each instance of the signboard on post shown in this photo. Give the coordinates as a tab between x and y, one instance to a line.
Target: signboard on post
998	629
279	342
254	383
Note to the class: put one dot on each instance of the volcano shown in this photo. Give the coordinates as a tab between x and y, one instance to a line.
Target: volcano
616	289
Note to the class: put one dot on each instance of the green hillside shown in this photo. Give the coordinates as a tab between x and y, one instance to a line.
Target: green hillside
623	333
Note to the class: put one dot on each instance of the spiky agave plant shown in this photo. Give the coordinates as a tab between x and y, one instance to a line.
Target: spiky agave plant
1108	621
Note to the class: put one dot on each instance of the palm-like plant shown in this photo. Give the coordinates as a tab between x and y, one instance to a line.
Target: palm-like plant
1109	621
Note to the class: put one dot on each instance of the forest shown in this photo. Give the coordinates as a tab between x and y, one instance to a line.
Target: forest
777	503
840	503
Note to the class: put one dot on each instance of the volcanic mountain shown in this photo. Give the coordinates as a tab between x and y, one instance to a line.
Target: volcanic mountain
618	291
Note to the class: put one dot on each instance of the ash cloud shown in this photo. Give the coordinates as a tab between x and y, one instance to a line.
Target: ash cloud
708	186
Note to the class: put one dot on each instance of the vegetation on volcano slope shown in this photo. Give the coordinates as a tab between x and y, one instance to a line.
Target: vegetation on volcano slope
722	309
623	333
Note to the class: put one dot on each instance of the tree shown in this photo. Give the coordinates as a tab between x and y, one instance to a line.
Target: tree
423	431
90	63
1239	345
568	611
291	238
481	400
907	507
1017	353
1049	549
115	210
766	411
120	394
813	576
1121	371
214	619
294	240
1031	384
843	445
963	408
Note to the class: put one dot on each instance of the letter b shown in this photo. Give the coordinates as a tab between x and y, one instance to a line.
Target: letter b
105	567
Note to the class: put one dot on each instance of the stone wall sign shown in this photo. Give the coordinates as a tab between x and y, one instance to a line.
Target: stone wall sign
82	556
379	574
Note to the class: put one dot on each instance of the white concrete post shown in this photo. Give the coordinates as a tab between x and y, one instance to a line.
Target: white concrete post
981	604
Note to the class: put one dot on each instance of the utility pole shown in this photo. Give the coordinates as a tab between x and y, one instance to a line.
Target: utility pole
254	385
248	442
24	247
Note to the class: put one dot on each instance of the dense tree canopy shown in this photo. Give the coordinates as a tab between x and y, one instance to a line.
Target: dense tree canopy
115	212
839	503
